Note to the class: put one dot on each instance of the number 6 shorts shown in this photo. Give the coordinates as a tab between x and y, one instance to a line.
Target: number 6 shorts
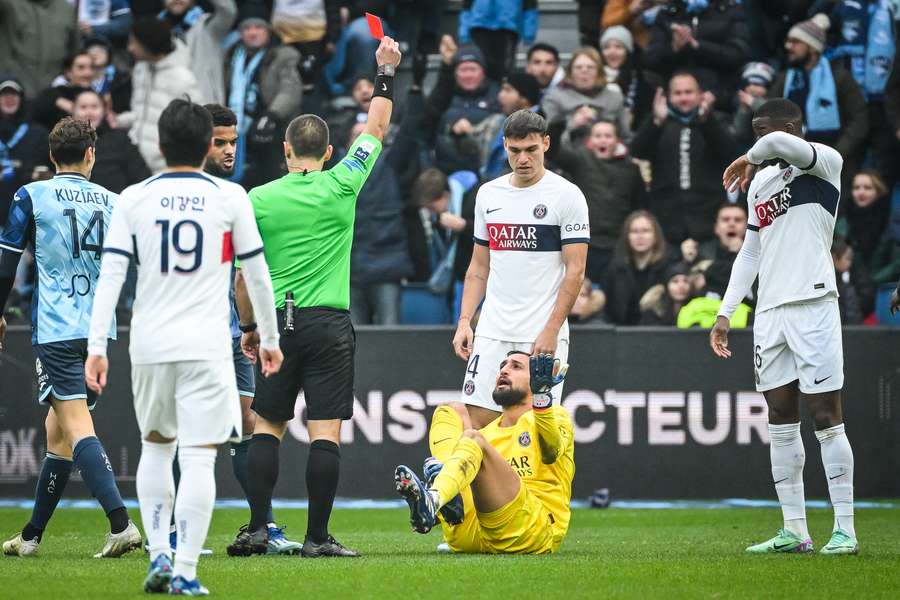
484	366
799	341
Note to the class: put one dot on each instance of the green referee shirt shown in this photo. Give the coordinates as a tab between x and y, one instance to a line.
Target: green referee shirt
306	224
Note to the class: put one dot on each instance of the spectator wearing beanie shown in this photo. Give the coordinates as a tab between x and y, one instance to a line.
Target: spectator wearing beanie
756	79
203	33
519	91
688	148
661	304
35	39
834	107
262	81
586	96
496	26
462	91
708	38
23	144
161	74
610	181
622	68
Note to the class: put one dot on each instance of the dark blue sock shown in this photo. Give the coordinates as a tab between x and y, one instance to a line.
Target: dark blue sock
239	464
51	483
91	460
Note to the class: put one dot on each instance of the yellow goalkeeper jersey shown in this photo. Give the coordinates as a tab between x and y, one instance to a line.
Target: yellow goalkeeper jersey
519	445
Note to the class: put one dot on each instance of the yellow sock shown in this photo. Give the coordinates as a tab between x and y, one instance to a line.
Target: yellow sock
446	429
459	470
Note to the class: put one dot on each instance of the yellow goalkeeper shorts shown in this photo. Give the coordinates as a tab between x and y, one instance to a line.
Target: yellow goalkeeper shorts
522	526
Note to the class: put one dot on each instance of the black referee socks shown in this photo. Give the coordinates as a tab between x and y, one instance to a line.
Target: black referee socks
262	473
322	471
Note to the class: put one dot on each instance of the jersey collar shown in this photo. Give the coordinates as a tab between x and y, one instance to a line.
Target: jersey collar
70	174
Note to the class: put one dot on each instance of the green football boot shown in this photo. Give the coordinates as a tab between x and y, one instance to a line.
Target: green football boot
840	543
785	541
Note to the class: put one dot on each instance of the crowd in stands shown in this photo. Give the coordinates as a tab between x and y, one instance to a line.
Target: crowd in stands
643	117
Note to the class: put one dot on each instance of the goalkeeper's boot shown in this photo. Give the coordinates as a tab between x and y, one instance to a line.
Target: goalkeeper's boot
453	512
785	541
18	546
249	542
279	544
182	587
120	543
159	575
422	506
841	543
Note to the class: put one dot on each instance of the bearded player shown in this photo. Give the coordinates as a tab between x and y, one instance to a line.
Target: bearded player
794	188
531	239
220	162
504	489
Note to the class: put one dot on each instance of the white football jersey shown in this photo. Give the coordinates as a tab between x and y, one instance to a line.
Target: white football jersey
184	229
525	229
794	211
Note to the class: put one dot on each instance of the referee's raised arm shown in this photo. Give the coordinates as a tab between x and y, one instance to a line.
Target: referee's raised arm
388	57
306	221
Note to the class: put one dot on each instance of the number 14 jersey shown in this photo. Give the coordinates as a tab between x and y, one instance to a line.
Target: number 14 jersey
183	229
66	219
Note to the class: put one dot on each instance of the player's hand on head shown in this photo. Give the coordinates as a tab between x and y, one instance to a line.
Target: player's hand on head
738	174
271	360
95	370
718	338
250	345
463	339
388	52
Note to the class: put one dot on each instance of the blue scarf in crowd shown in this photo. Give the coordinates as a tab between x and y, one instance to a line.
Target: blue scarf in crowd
180	28
242	99
867	39
821	104
684	118
7	168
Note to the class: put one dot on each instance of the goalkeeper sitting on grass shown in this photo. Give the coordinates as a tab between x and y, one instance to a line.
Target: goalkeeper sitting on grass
503	489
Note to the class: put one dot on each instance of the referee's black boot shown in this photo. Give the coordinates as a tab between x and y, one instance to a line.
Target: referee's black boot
248	543
330	547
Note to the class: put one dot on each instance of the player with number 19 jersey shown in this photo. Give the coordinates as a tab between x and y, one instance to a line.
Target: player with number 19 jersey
179	225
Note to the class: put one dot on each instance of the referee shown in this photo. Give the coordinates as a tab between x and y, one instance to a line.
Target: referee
306	222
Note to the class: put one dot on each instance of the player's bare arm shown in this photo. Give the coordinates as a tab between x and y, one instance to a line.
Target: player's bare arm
388	57
474	289
249	339
574	257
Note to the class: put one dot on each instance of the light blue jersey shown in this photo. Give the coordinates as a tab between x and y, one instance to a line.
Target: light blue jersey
66	218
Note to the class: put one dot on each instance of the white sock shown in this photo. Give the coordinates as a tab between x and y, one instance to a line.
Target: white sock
788	458
193	506
837	456
156	494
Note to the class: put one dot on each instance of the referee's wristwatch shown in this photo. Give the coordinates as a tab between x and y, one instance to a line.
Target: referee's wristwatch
248	328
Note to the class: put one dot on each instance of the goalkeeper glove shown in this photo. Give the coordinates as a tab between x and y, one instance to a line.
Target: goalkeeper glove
546	372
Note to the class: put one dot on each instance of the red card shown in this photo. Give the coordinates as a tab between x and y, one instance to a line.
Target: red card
375	26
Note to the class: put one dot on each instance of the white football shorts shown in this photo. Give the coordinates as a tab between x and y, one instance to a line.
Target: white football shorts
799	341
194	401
484	367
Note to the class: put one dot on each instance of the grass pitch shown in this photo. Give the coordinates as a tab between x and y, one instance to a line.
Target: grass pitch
614	553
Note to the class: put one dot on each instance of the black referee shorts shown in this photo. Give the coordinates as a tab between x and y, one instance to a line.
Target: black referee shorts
318	359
